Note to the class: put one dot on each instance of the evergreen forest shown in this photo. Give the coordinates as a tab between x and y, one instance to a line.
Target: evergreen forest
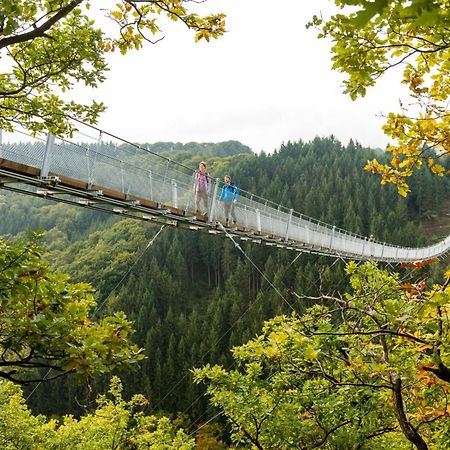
193	297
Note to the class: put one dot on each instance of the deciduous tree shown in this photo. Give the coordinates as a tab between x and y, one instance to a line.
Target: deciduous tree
372	37
115	423
49	46
45	321
369	369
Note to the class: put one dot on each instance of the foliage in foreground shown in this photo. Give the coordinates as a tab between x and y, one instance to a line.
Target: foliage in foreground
116	423
45	321
51	46
371	38
370	369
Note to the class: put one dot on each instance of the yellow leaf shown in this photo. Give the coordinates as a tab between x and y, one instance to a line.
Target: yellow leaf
310	353
402	191
421	348
438	170
117	15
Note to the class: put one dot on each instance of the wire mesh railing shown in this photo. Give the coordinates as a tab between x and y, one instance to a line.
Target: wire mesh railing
101	159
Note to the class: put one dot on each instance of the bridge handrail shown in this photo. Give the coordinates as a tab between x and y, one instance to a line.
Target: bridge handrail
249	194
172	183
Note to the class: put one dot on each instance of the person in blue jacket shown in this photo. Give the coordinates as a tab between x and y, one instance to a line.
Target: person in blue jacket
229	196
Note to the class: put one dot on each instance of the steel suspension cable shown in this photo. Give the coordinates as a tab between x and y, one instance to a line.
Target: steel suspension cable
232	365
150	243
236	244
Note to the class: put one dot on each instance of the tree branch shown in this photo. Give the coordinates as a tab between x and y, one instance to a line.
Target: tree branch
408	430
368	333
42	29
327	433
247	434
442	372
8	376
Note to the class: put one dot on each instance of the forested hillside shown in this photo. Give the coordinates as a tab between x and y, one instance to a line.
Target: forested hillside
193	296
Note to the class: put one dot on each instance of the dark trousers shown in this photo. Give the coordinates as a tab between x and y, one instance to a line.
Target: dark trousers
229	211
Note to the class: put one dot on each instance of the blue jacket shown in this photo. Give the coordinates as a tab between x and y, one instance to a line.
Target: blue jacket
229	193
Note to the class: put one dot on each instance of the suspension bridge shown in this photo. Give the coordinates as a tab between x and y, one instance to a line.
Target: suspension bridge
103	172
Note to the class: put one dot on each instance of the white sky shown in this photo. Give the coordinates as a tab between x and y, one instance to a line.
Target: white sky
267	81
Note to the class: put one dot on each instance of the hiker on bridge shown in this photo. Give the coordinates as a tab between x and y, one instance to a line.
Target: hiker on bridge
202	186
229	196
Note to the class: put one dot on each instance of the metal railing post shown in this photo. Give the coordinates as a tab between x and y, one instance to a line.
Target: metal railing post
89	168
372	249
212	212
162	185
333	231
122	177
151	184
258	220
322	239
308	233
1	144
46	160
174	194
191	196
286	235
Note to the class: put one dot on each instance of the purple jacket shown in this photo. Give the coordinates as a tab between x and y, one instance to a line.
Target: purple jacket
202	182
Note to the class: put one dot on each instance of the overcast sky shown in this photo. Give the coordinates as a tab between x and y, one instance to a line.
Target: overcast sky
267	81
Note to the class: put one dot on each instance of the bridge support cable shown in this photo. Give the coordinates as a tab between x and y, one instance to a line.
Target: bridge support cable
236	244
390	265
38	384
102	304
150	243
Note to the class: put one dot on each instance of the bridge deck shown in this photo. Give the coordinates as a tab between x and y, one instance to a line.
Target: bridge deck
69	190
128	180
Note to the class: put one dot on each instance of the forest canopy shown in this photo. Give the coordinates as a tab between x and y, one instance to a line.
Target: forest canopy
192	297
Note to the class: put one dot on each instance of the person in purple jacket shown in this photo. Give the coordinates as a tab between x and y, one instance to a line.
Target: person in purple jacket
202	186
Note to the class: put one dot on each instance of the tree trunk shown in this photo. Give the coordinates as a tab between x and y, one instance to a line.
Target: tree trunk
408	430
